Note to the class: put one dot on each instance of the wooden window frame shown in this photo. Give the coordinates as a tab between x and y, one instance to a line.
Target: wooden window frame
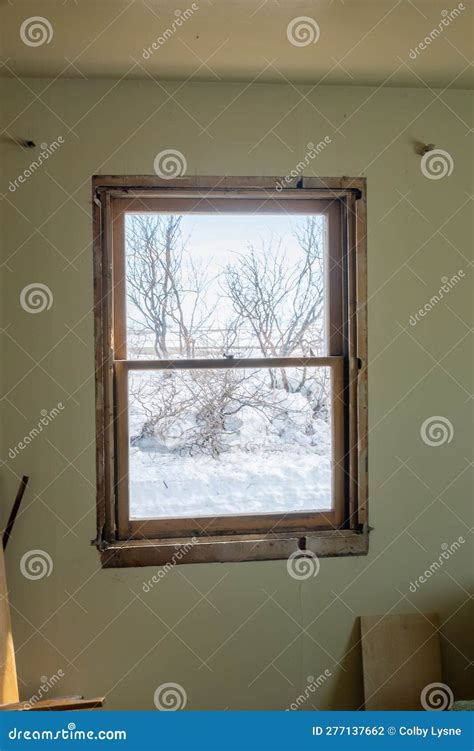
341	531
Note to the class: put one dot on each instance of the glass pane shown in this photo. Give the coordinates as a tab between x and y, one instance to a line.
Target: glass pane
229	441
205	286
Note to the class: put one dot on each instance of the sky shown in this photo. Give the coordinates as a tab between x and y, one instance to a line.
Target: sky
216	239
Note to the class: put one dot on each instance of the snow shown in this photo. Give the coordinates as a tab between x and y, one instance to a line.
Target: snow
275	459
238	482
235	440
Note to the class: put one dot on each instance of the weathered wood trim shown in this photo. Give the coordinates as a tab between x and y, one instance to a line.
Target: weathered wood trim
122	451
232	549
99	370
117	230
102	248
362	355
352	362
337	436
232	363
208	201
299	523
335	279
131	185
351	192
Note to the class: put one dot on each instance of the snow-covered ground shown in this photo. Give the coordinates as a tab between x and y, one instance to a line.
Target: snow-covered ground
235	483
272	458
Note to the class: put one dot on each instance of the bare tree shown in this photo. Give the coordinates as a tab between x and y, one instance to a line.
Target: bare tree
202	411
165	286
276	308
278	301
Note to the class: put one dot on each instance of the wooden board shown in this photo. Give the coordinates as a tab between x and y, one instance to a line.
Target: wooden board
68	703
400	656
8	678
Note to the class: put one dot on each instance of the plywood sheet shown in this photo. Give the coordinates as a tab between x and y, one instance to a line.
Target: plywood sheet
400	656
8	678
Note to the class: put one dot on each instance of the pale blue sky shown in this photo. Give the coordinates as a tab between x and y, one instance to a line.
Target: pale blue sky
214	240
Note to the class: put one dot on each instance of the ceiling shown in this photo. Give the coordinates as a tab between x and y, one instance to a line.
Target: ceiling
351	42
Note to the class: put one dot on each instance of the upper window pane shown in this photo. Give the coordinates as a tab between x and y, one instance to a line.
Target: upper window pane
217	285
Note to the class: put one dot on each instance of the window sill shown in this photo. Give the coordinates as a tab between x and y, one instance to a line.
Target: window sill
232	549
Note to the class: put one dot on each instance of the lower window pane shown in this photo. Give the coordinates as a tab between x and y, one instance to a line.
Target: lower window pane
229	442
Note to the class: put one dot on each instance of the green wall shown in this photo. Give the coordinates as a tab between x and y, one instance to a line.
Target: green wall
236	635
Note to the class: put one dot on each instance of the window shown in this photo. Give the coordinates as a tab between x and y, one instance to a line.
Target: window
231	368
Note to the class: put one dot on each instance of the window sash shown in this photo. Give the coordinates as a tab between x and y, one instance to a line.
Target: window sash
228	524
336	261
336	337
